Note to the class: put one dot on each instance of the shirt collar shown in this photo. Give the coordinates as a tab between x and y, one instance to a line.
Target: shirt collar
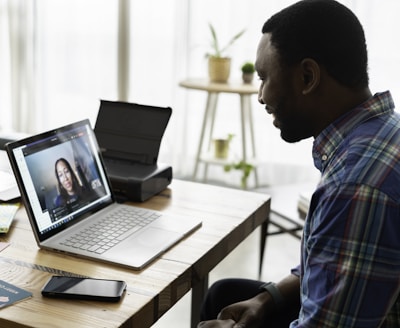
326	143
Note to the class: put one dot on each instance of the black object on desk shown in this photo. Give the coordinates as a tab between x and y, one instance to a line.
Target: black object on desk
129	136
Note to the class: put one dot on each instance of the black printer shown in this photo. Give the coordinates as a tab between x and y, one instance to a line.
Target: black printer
129	136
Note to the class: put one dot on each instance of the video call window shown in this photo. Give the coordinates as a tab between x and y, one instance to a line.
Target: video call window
65	176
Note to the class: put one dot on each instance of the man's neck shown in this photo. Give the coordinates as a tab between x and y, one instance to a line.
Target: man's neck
339	101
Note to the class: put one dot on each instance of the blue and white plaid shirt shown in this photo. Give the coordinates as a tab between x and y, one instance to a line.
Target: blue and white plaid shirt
350	266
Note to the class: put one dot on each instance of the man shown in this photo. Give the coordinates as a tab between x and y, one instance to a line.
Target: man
312	62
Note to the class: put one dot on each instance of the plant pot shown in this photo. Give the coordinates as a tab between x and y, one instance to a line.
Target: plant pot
219	69
247	77
221	148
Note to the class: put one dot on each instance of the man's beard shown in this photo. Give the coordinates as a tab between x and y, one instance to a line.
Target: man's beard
293	131
293	128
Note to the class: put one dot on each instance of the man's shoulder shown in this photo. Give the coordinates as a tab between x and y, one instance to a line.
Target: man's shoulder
370	154
377	132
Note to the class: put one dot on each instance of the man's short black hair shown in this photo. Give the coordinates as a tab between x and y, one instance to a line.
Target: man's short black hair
325	31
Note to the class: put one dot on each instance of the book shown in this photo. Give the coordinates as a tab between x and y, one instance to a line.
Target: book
10	294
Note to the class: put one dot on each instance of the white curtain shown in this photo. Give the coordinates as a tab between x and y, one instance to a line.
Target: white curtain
18	87
58	58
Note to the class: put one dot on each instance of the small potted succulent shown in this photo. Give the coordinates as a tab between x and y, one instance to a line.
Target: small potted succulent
248	72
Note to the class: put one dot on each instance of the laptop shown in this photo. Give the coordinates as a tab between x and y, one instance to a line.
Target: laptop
67	194
8	185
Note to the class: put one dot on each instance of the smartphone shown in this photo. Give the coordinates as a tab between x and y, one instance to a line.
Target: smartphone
84	288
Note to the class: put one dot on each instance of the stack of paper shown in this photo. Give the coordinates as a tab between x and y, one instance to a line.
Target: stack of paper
7	213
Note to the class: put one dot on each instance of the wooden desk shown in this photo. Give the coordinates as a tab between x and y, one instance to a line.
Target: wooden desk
228	216
245	91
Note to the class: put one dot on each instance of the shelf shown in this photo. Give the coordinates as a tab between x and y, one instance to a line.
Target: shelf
244	91
210	159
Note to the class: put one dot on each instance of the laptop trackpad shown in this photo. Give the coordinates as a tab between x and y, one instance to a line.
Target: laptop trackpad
154	238
142	247
146	241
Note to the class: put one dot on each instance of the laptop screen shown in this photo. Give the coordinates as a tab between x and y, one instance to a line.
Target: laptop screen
61	176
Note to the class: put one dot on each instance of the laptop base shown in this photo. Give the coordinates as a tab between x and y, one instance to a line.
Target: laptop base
137	182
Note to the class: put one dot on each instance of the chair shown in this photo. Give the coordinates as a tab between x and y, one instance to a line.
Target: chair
284	216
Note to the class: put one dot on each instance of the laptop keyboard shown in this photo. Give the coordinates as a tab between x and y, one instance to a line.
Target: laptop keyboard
111	230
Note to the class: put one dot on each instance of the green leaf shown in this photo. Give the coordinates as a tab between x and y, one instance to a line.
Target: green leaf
218	51
232	41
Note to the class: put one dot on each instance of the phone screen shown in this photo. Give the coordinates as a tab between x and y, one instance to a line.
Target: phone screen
84	288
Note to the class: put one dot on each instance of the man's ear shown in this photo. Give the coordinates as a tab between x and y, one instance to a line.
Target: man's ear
311	75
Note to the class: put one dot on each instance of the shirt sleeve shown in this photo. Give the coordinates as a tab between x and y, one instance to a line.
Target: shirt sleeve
351	260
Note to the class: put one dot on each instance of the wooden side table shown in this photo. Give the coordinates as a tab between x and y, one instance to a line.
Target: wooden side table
245	91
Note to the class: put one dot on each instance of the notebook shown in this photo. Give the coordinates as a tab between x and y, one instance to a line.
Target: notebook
66	192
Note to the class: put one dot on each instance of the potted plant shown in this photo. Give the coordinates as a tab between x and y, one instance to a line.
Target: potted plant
248	70
219	64
221	147
245	167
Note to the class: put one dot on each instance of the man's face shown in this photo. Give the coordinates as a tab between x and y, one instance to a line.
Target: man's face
280	92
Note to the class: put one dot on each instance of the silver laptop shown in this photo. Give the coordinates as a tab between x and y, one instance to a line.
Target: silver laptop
8	185
71	207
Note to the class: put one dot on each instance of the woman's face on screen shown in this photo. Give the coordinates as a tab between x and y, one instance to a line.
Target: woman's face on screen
64	176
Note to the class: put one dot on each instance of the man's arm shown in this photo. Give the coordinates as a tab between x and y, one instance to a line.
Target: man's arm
353	259
252	311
